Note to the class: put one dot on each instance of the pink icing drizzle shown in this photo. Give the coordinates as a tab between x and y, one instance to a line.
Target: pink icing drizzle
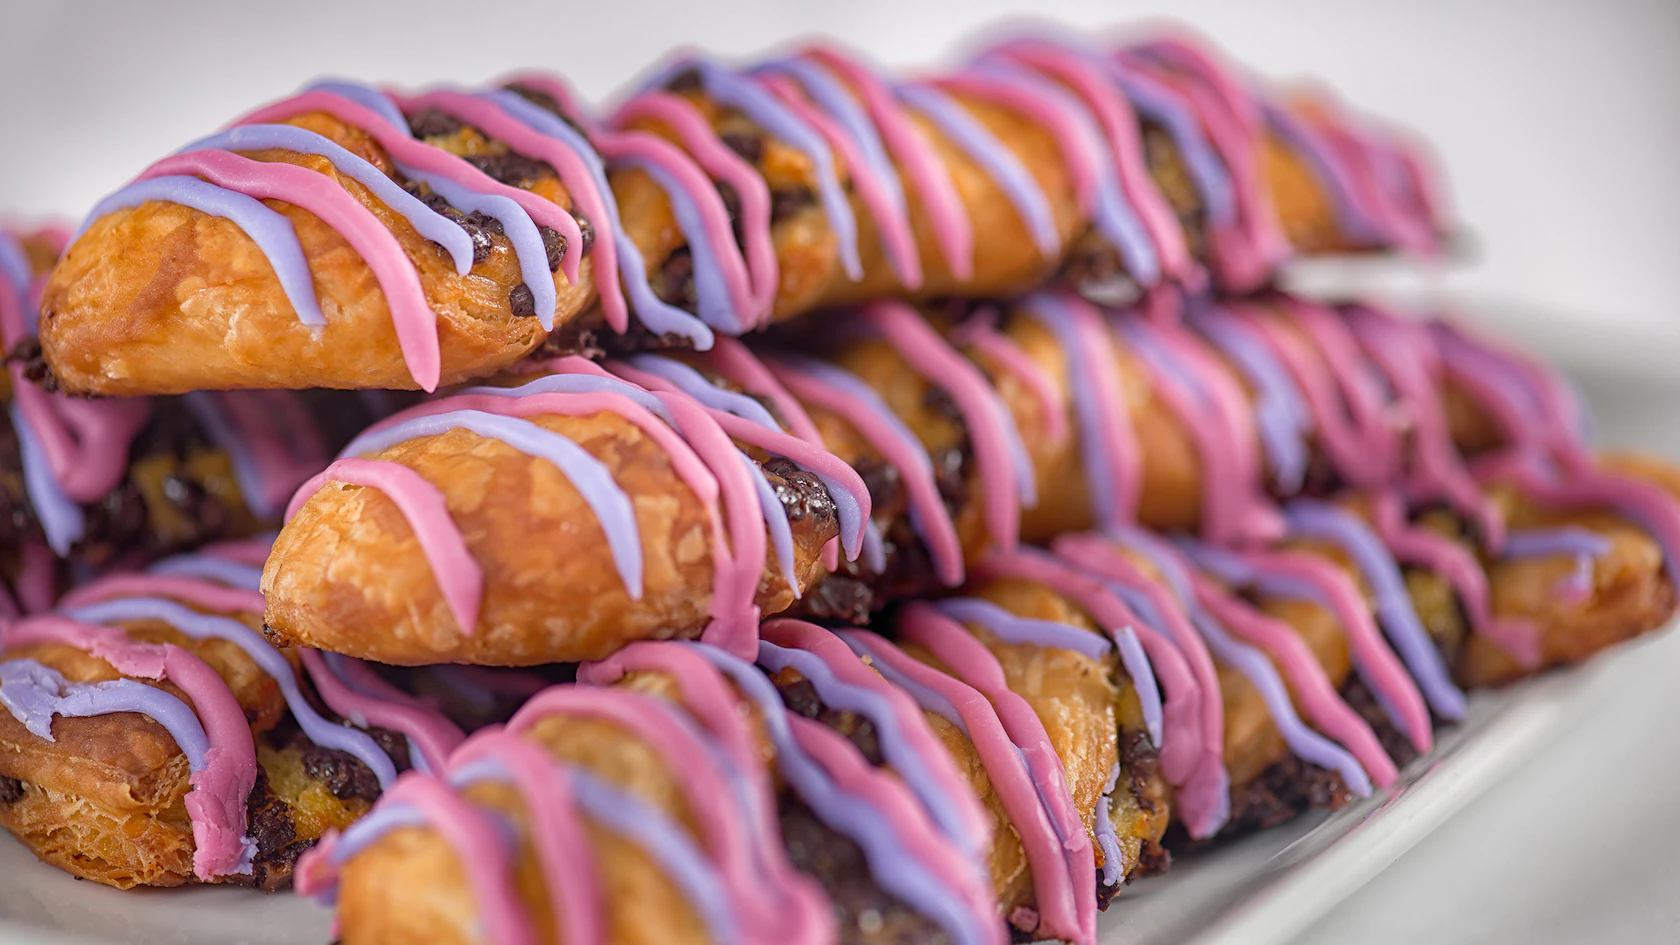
981	334
200	594
1078	155
720	162
383	705
411	312
459	577
736	362
932	357
216	803
916	157
1010	777
1377	663
977	666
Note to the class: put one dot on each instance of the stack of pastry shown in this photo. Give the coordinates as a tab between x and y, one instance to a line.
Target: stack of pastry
923	506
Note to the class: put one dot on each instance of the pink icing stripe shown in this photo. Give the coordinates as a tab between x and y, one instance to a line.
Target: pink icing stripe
888	796
554	87
251	551
707	787
1356	151
284	442
1185	736
460	579
478	843
736	575
558	833
818	461
1105	561
1307	680
1078	155
714	215
85	441
521	138
720	162
913	727
893	222
216	803
1182	50
1258	244
1010	778
434	735
1221	422
933	519
1114	114
412	153
1420	546
1108	399
915	156
984	337
1338	435
1408	358
710	699
696	468
411	312
1377	663
736	362
1340	351
977	666
932	357
200	594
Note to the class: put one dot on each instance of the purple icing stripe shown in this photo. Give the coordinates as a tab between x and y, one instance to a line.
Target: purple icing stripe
211	568
1000	163
898	752
1095	448
207	409
1107	840
894	867
61	518
1163	106
1400	623
14	264
659	316
1280	413
695	384
666	842
1567	540
578	384
34	693
369	98
1010	628
1115	218
763	108
833	98
775	521
1351	216
426	221
201	626
517	226
271	231
716	306
928	699
588	475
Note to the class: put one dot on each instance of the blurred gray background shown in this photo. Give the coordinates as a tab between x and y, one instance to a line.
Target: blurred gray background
1557	123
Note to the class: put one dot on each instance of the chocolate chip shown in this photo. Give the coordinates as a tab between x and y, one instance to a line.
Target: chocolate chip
35	367
554	245
732	206
748	144
523	301
587	231
510	168
539	98
801	698
687	80
11	790
674	282
434	123
785	202
802	494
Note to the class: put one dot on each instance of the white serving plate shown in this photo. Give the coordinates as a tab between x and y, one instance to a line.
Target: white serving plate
1263	890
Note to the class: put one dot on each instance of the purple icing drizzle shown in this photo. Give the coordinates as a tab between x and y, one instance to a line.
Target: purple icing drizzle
1280	413
775	521
1000	163
716	307
1314	519
270	230
34	693
588	475
899	754
1014	629
832	97
696	385
269	659
893	867
211	568
1107	840
759	105
62	520
369	98
1160	104
426	221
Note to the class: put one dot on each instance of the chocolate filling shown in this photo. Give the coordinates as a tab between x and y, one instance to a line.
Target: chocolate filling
865	913
802	494
11	790
1399	748
268	821
801	698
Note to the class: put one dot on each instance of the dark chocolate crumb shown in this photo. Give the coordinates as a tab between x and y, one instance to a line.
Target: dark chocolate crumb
674	282
748	144
11	790
586	232
802	494
801	698
433	123
523	301
787	201
554	245
511	168
839	598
